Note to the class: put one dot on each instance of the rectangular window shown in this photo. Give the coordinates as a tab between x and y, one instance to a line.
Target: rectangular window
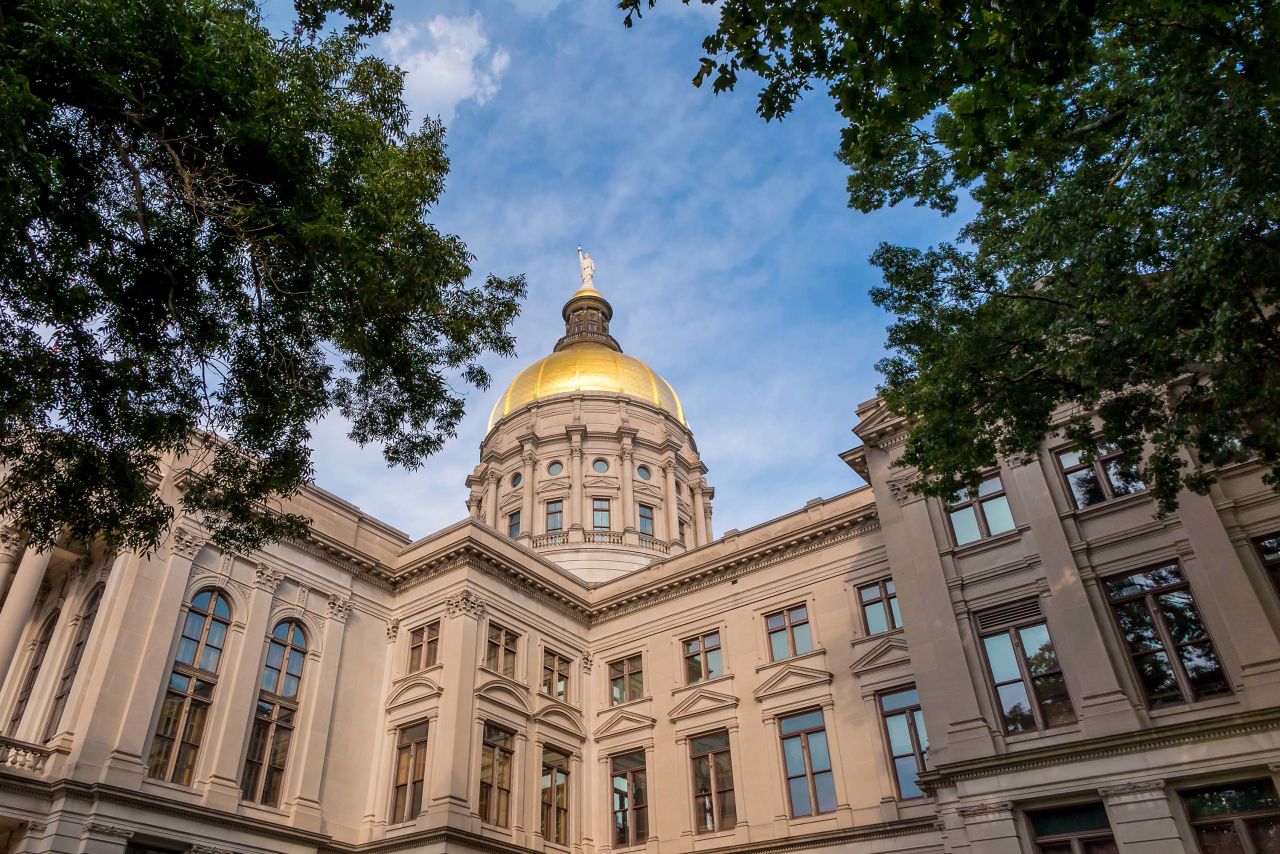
806	758
1269	551
500	651
411	773
1024	670
555	516
268	749
1170	648
703	658
513	525
600	514
1078	829
789	633
555	675
495	776
626	680
424	646
646	520
880	611
907	739
979	513
1237	817
630	800
555	796
714	807
1107	477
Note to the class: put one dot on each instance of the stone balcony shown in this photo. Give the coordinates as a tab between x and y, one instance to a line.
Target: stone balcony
22	757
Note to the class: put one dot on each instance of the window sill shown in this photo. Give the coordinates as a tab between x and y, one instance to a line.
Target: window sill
634	702
877	636
504	677
269	812
1190	709
818	818
814	653
987	543
1102	508
710	835
1036	736
728	677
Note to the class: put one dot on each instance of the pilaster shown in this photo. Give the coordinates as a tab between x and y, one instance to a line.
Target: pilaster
1142	818
449	776
19	604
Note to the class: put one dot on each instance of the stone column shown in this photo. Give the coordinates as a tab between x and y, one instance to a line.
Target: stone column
384	745
699	516
10	551
474	507
237	693
311	739
575	489
17	608
706	513
526	507
629	522
991	828
449	780
491	499
1142	818
669	501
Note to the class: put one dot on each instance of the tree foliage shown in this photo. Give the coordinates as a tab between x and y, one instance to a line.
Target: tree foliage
1123	259
210	237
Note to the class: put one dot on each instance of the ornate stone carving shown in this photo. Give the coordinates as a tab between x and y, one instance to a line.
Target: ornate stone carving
900	489
1136	787
209	849
530	458
393	631
989	810
587	661
339	607
267	577
185	543
467	603
10	542
97	828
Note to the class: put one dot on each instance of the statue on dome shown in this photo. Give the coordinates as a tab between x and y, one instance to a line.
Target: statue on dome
586	268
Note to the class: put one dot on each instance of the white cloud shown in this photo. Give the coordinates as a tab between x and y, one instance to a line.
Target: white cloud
446	61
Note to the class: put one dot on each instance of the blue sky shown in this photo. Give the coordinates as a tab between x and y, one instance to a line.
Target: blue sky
735	268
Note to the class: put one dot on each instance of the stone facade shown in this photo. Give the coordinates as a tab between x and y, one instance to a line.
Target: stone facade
834	678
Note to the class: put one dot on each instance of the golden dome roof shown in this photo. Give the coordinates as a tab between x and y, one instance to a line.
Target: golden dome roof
587	366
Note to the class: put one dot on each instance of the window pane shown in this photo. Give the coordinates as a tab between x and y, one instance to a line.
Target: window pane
1085	488
1203	670
1219	839
1138	626
989	486
964	522
1038	649
1232	798
715	665
701	775
905	768
693	668
804	640
793	756
800	803
1080	818
1069	459
1055	703
1016	707
819	756
922	735
1180	616
1123	477
877	622
796	723
728	810
999	518
899	700
899	734
778	648
825	785
714	741
1001	658
897	613
869	593
1157	677
1265	833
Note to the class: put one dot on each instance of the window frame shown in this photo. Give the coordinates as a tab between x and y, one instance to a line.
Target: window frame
67	678
701	655
717	791
1239	821
973	498
415	752
44	640
642	519
424	646
1269	565
554	664
1013	632
918	752
887	598
625	678
788	628
1076	839
1100	472
275	717
596	513
513	524
490	808
1167	646
558	513
501	653
630	811
810	773
554	819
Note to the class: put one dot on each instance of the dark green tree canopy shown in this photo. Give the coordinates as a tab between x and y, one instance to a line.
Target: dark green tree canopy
210	231
1124	259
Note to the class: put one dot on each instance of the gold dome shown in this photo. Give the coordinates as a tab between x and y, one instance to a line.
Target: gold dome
587	366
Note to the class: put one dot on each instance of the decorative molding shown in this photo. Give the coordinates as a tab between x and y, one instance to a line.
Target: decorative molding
466	603
267	577
587	661
1132	788
97	828
185	543
209	849
393	630
900	489
339	607
10	542
990	810
36	826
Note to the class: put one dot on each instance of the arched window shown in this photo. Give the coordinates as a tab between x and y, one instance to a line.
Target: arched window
274	720
190	691
33	670
68	678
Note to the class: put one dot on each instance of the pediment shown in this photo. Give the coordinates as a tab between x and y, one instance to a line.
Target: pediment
412	689
792	677
600	482
700	702
560	718
888	652
511	503
624	722
506	695
647	491
553	484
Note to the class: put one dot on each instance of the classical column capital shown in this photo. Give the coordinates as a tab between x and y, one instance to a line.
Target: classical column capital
1139	789
185	542
576	452
626	453
339	607
267	577
393	630
668	466
97	828
530	458
466	603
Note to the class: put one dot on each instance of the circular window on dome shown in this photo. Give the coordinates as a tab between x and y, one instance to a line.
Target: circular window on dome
516	479
555	468
644	472
601	466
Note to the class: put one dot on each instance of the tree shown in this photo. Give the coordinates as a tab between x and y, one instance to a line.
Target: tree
1123	259
210	237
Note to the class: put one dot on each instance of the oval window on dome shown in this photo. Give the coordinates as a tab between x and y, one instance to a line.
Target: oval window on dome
516	479
601	466
644	472
555	468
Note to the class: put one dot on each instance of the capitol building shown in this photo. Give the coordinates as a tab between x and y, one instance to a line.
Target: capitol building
583	663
